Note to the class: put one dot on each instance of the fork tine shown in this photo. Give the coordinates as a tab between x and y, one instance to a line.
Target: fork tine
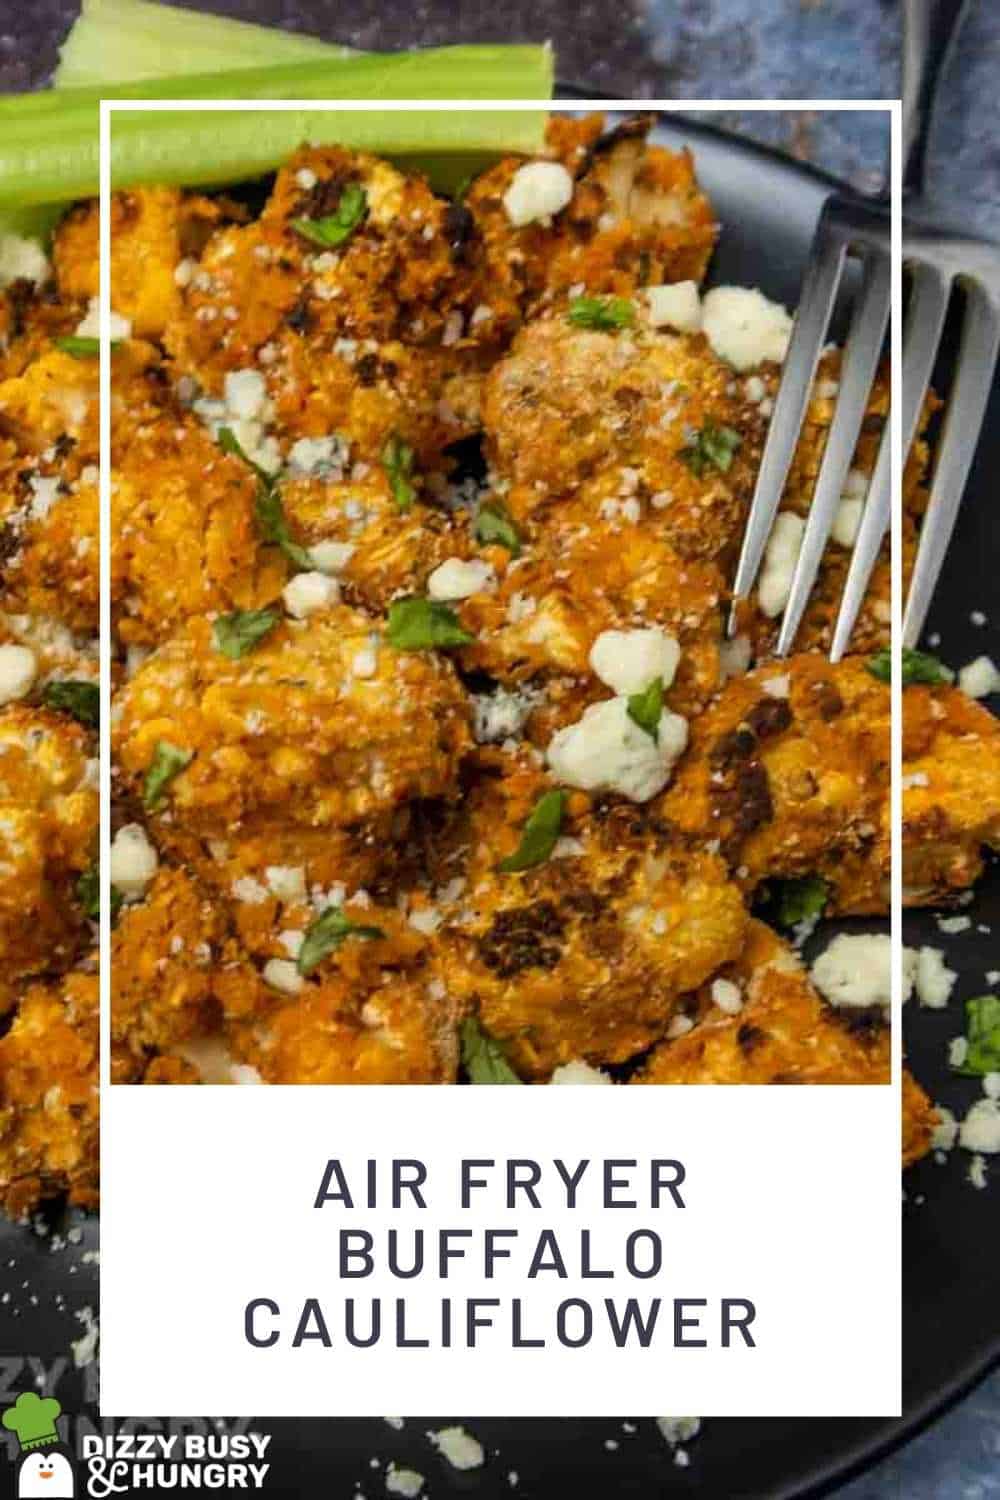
805	346
861	356
874	525
925	317
964	419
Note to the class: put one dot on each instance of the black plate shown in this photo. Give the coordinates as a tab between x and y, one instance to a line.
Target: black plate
951	1292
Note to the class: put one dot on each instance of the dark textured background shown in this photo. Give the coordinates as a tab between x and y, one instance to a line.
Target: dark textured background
690	49
678	49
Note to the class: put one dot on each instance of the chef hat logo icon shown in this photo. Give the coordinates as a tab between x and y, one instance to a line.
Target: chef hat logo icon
43	1468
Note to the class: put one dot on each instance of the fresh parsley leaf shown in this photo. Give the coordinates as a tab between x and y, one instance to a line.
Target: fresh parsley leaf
604	314
646	707
493	524
327	933
538	837
712	445
337	227
237	633
397	461
88	893
424	625
168	760
482	1057
800	900
917	666
76	697
270	513
82	347
983	1035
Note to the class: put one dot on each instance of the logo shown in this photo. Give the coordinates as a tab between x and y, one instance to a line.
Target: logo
44	1468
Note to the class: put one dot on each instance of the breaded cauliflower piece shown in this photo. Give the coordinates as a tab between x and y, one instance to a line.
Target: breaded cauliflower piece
538	623
153	231
54	398
49	534
49	822
783	1031
184	538
637	217
367	338
375	1010
375	548
166	953
587	954
291	733
788	771
951	791
639	426
49	1096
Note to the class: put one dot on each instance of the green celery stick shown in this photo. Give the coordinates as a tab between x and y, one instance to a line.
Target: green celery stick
49	142
116	41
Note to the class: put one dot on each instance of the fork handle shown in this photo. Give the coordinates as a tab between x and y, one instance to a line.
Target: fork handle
930	28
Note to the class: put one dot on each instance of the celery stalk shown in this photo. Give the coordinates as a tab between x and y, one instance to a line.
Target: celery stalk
49	142
115	41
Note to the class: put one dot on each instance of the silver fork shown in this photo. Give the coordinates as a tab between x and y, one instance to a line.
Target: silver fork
848	228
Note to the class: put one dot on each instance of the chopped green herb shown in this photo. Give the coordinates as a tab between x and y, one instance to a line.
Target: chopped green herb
327	933
341	224
81	347
917	666
983	1036
230	443
88	893
270	513
76	697
424	625
397	460
712	445
604	314
493	524
482	1057
237	633
539	834
800	900
645	708
167	762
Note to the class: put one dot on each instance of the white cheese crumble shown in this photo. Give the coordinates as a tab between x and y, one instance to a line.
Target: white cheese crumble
537	190
459	1447
980	1130
18	669
847	522
933	982
331	557
777	687
287	882
22	259
727	996
405	1482
744	327
676	1430
134	862
318	455
676	306
457	579
629	660
979	678
501	715
365	662
89	326
607	751
735	657
855	970
281	974
579	1072
783	548
307	593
